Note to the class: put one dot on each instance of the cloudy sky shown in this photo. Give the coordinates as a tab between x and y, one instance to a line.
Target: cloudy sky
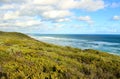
60	16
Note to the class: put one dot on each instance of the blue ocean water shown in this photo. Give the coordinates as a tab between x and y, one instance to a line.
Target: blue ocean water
106	43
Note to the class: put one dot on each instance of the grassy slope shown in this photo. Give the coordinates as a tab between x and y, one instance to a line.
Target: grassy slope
22	57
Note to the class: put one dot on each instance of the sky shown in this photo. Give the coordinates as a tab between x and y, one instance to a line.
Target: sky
60	16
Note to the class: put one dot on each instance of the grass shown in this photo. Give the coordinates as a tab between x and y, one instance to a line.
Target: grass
22	57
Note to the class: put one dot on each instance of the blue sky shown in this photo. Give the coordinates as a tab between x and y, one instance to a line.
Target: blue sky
60	16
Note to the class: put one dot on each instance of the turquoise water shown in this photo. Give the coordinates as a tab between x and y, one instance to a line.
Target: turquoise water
107	43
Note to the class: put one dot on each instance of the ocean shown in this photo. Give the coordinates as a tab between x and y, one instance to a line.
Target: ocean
105	43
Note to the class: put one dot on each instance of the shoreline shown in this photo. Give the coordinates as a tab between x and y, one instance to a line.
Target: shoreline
73	46
22	56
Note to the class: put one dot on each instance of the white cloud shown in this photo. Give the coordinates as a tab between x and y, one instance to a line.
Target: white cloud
63	20
116	18
27	21
92	5
7	6
11	15
45	10
45	2
13	1
68	4
115	4
54	14
89	5
86	19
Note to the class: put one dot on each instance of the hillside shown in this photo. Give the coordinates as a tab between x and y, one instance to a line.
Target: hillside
22	57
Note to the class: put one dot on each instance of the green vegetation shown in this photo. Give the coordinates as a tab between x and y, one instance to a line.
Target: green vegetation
22	57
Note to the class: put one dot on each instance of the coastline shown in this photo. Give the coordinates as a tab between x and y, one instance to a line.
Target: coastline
22	56
102	46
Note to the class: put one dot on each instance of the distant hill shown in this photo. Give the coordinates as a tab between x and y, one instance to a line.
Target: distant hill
22	57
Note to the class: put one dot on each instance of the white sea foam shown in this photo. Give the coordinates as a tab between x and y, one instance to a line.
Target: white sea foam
96	43
56	38
104	43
